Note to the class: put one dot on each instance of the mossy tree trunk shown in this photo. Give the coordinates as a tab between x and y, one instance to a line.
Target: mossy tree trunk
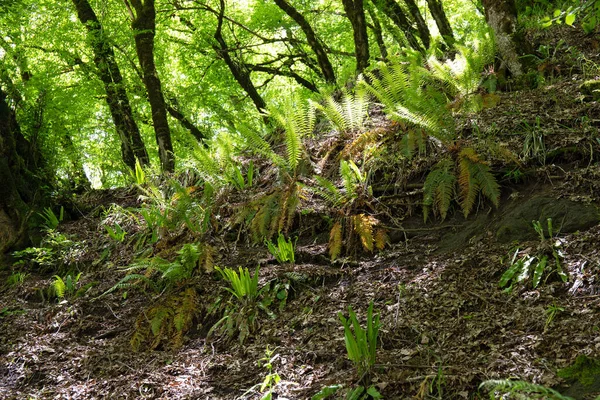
441	20
356	14
144	28
501	15
396	14
19	180
132	146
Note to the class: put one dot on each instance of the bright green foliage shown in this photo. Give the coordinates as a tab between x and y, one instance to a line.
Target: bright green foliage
402	91
297	118
243	285
56	253
283	251
521	390
461	77
51	220
551	312
361	344
158	273
117	233
535	266
67	286
16	279
349	113
241	312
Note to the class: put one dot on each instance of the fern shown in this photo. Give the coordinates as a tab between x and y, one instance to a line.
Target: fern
349	113
415	140
474	178
275	212
363	226
167	321
403	91
363	140
59	287
438	190
335	241
522	390
381	239
297	118
328	191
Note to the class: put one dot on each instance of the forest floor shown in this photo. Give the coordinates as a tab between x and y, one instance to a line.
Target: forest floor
446	324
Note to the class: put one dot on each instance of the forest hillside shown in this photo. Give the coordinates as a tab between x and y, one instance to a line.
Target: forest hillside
353	199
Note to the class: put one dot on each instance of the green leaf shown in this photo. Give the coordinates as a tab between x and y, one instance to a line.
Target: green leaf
570	19
326	392
539	271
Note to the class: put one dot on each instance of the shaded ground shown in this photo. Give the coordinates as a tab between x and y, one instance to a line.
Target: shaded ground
446	326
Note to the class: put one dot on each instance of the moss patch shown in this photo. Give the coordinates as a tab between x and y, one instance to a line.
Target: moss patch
585	370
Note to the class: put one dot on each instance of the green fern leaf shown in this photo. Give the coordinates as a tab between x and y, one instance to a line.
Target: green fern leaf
438	190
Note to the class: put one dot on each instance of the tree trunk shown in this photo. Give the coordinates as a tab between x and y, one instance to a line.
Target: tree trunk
421	24
239	71
186	123
501	15
311	37
439	15
19	183
132	146
144	27
396	14
377	31
356	14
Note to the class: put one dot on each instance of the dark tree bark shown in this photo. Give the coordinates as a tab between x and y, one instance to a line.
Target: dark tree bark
501	15
311	37
132	146
356	14
144	27
439	15
186	123
396	14
377	31
238	70
19	184
421	24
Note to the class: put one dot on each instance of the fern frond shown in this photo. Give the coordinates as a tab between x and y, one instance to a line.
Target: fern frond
414	140
360	143
297	118
59	287
438	190
349	113
335	241
363	226
518	387
381	239
474	178
327	190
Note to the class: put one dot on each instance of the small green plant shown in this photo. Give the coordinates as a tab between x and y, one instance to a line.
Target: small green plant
67	286
241	311
520	390
139	176
584	370
56	251
51	220
236	178
16	279
117	233
361	344
537	265
551	312
283	251
534	145
272	379
357	393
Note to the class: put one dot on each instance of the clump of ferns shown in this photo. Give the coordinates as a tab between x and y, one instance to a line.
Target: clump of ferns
167	210
274	212
463	177
171	315
349	226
